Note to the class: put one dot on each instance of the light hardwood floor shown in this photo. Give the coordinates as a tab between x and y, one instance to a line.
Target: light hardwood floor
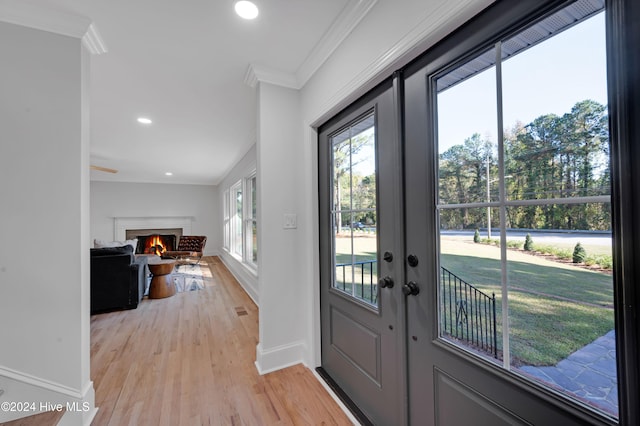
189	360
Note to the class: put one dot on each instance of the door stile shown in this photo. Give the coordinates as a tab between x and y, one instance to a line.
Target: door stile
399	232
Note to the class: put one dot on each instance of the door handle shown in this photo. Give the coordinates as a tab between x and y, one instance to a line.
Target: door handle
410	289
386	282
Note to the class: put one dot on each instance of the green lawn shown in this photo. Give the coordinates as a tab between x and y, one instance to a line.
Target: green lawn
364	249
554	308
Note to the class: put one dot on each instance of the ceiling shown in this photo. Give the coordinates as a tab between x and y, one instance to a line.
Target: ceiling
184	65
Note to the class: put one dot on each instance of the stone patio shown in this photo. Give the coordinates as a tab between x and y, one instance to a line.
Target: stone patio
589	374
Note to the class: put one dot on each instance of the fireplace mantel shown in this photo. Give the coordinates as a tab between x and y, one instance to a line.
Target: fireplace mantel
122	223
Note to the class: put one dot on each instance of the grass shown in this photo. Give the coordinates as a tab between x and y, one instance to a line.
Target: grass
596	255
364	247
544	331
554	308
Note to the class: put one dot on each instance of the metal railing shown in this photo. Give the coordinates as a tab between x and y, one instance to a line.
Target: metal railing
468	314
367	287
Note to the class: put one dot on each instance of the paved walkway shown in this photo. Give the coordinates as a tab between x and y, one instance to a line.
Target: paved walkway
589	374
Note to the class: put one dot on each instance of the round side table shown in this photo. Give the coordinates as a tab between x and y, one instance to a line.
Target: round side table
162	282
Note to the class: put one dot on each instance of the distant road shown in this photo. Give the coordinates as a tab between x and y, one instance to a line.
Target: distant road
544	237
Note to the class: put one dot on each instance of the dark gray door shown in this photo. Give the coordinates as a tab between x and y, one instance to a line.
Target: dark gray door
361	256
504	140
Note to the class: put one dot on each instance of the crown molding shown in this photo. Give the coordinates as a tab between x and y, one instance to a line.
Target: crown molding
431	28
258	73
34	16
347	20
250	77
93	41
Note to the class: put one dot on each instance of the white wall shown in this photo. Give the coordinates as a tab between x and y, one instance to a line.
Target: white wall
390	36
281	277
247	277
119	199
44	255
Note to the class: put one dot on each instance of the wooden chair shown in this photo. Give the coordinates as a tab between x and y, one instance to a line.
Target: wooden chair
190	247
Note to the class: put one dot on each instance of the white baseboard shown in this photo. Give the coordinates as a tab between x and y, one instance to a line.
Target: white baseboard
31	395
269	360
248	281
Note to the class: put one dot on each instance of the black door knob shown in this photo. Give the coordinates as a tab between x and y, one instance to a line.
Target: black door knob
413	260
387	256
386	282
410	289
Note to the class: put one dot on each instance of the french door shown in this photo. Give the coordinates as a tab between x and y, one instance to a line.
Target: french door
362	262
471	235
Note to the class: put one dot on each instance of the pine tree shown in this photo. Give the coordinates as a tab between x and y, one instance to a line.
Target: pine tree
528	243
579	253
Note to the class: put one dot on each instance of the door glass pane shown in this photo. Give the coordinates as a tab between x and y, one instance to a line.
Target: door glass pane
525	237
555	116
556	146
470	286
561	315
467	129
354	211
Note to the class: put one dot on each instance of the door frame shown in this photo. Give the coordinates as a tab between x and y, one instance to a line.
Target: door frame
623	74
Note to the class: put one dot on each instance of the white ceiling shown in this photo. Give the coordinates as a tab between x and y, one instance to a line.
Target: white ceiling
183	64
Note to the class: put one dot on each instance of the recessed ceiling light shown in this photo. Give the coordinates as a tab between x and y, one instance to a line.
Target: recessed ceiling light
144	120
169	174
246	9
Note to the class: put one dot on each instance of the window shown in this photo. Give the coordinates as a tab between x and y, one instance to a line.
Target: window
250	227
236	219
226	221
524	206
354	211
240	226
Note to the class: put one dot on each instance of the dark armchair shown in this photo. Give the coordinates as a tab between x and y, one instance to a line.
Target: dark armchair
189	247
118	279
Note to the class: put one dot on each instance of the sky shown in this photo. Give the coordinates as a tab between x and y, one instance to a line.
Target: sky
548	78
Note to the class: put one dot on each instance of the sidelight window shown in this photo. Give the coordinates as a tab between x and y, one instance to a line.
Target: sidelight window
524	207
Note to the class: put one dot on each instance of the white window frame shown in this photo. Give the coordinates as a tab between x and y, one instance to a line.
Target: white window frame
238	232
226	225
250	191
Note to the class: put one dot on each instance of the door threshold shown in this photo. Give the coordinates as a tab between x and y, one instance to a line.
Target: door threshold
353	408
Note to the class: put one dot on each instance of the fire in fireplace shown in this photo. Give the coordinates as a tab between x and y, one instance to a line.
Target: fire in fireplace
156	240
155	244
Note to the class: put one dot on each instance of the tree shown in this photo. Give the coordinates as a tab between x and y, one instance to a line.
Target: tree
579	253
343	164
528	243
462	179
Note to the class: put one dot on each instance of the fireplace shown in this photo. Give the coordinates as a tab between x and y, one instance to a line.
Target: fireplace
130	227
154	241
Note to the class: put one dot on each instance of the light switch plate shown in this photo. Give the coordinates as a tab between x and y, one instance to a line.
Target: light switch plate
290	221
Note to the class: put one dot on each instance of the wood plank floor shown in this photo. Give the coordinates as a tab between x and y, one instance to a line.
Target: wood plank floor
189	360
